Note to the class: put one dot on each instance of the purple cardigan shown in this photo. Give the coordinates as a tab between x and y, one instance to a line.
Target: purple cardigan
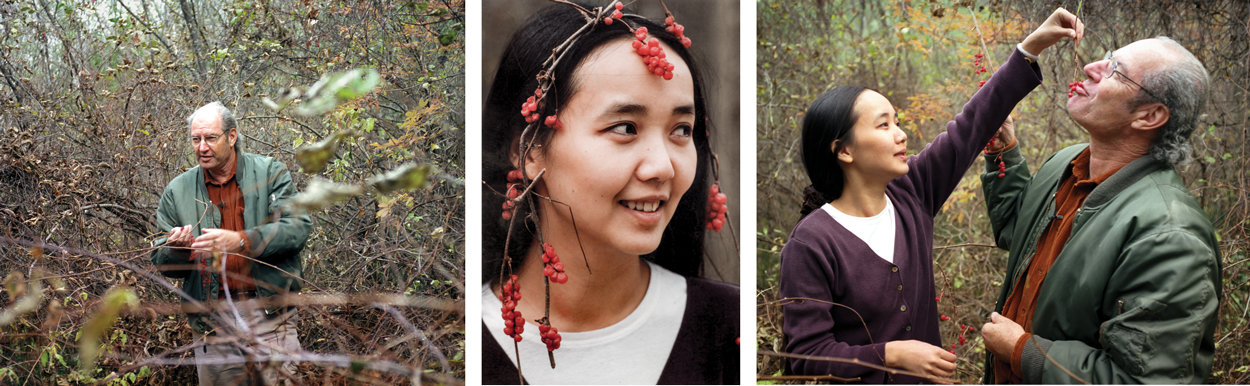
704	353
823	260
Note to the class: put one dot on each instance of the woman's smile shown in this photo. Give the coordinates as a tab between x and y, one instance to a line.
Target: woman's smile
624	158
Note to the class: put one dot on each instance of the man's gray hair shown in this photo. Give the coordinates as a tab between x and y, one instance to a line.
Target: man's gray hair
1183	86
227	121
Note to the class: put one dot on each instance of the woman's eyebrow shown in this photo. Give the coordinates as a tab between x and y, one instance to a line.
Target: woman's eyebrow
629	108
625	108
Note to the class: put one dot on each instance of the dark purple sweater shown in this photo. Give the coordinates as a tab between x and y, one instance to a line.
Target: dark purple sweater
823	260
705	351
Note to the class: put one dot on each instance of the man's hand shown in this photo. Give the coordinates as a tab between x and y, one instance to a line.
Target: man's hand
180	237
920	357
1000	335
1005	136
1061	24
227	241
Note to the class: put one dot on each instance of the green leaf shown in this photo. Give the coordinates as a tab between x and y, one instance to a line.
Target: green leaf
334	89
322	193
406	176
313	157
89	344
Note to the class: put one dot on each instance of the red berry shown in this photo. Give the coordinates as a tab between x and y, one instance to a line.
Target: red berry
668	20
607	20
619	6
616	14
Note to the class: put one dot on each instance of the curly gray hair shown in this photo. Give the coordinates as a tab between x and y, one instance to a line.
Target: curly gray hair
1183	87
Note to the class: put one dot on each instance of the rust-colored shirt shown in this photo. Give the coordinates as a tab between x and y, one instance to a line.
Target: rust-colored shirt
1073	189
229	200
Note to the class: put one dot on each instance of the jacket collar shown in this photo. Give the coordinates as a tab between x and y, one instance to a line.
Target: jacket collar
1122	179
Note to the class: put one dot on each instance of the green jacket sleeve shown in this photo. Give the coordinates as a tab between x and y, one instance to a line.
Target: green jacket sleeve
171	262
286	234
1164	296
1003	194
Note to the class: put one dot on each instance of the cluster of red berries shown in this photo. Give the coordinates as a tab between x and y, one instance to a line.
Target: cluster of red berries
716	208
963	331
514	192
615	14
529	109
552	267
1072	87
513	323
1002	167
550	336
976	62
652	55
678	30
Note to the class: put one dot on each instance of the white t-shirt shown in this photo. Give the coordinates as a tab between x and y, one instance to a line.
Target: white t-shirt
632	351
876	231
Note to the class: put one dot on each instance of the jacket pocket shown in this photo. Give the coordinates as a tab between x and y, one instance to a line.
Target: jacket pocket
1129	346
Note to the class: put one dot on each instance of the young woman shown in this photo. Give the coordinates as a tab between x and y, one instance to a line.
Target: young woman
616	183
866	239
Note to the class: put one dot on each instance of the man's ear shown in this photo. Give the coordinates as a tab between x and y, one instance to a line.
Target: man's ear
233	136
1150	116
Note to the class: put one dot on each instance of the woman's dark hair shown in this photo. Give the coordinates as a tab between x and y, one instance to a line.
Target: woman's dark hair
681	248
830	118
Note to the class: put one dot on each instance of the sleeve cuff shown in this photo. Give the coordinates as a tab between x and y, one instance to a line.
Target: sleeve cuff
1016	352
1010	156
1029	359
1032	58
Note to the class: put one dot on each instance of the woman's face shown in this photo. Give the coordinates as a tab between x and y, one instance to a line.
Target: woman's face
625	155
879	147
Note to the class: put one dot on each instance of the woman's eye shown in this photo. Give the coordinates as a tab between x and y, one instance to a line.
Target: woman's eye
624	129
683	130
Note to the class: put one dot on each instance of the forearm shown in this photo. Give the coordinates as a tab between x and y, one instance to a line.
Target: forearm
937	170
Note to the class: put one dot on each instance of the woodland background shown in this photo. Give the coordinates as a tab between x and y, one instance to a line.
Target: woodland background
919	54
94	95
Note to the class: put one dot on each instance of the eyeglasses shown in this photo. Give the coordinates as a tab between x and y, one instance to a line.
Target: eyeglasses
212	139
1112	69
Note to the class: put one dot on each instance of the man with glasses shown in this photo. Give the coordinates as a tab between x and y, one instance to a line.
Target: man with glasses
234	245
1113	274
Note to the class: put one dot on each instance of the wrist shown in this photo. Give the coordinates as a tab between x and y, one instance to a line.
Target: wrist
1031	46
1001	148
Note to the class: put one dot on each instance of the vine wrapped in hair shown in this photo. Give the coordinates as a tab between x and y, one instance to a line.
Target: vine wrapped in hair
542	113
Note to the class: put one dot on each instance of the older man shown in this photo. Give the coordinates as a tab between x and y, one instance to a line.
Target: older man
229	206
1114	270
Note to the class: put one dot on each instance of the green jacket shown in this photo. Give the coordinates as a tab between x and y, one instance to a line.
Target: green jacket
1132	297
277	236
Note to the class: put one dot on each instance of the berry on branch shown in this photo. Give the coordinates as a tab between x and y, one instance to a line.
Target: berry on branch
513	323
716	208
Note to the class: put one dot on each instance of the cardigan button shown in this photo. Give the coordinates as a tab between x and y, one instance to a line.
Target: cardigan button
894	269
900	287
908	328
903	308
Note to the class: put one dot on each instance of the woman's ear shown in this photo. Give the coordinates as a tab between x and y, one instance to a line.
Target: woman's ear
532	163
843	153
